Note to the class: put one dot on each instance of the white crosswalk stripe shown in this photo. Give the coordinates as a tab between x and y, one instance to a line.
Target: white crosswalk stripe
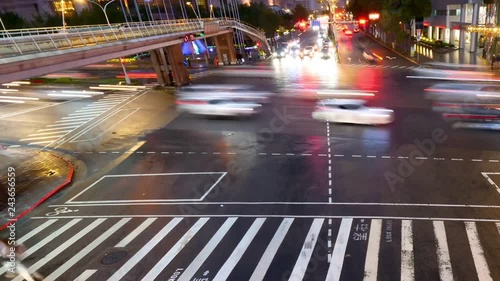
483	272
442	251
300	268
66	125
372	253
407	259
263	248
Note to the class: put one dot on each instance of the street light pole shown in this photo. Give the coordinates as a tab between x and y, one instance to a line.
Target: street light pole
63	5
104	9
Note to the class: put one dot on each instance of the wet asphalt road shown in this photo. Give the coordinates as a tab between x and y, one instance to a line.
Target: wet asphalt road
280	196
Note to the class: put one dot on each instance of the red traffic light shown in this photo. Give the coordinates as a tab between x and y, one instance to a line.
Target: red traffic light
257	44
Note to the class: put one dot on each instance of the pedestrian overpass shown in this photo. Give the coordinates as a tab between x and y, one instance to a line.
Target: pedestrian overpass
33	52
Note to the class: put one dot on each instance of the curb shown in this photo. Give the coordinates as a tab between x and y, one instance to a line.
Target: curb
68	180
387	47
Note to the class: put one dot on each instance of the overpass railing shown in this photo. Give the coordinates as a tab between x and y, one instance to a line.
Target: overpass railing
38	40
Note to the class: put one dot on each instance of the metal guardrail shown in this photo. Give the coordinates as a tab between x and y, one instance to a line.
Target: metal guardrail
39	40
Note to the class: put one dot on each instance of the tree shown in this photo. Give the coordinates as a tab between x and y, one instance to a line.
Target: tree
409	9
262	16
12	20
362	8
300	13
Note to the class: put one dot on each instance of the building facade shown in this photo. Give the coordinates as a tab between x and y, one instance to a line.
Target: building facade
450	18
27	8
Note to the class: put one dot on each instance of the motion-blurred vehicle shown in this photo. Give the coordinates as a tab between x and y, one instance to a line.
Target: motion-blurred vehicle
295	51
356	30
326	53
280	53
469	103
308	51
232	91
344	28
217	106
371	57
348	32
351	112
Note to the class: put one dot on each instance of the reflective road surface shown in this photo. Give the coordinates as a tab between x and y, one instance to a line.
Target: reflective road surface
280	196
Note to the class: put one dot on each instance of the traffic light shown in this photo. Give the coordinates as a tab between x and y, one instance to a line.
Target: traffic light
257	44
201	34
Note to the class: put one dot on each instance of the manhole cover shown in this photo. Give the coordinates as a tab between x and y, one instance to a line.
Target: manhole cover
113	257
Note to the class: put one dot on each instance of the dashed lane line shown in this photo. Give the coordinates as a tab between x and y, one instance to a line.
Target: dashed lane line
357	156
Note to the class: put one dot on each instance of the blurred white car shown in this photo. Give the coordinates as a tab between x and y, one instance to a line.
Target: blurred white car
352	112
217	106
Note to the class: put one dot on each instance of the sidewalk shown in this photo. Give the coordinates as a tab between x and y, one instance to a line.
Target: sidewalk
423	55
37	176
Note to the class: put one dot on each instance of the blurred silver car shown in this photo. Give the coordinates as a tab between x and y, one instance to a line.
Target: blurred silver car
352	112
218	106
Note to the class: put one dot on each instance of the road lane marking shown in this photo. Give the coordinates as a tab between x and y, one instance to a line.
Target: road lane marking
83	117
35	231
356	156
338	155
442	252
482	269
63	247
300	268
195	265
99	122
68	124
44	241
120	273
338	255
132	235
373	251
55	129
458	219
407	259
41	138
48	133
265	261
86	275
175	250
87	250
457	159
238	252
487	177
40	142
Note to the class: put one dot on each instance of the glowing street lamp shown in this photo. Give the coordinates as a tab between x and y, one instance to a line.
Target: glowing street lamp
374	16
194	11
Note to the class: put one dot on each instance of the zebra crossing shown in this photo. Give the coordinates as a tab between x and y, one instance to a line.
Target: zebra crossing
53	133
260	248
390	67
